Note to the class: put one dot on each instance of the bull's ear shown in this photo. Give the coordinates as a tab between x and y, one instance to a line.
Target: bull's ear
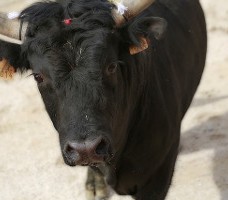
11	59
153	25
142	30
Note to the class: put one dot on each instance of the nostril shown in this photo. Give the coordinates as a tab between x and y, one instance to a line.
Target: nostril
102	148
70	148
87	152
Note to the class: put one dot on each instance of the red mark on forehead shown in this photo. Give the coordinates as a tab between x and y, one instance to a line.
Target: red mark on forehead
67	21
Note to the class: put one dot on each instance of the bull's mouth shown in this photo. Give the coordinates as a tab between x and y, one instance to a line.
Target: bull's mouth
85	162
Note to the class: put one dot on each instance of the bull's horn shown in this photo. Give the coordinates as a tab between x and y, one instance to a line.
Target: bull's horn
127	9
10	26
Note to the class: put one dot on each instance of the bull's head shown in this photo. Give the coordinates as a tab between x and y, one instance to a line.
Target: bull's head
79	55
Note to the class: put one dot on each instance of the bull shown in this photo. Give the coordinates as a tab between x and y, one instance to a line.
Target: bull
116	80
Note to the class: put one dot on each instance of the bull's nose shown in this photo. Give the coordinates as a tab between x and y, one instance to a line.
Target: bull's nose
87	152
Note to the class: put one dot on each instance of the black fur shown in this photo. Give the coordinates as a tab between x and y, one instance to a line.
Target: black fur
139	107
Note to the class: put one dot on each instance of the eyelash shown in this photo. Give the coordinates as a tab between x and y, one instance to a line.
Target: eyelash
38	77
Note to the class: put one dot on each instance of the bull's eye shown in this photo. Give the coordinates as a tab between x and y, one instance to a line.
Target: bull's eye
38	78
111	69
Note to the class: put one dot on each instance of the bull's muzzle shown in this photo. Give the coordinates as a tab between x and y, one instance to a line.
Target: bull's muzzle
88	152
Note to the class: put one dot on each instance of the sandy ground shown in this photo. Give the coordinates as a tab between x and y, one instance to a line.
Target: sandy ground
31	167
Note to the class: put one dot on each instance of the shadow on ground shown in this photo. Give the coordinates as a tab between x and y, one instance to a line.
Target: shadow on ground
211	134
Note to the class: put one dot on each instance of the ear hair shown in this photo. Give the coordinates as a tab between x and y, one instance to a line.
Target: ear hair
11	56
140	32
157	26
146	26
144	44
6	70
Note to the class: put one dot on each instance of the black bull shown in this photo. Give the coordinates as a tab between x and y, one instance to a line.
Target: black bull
116	112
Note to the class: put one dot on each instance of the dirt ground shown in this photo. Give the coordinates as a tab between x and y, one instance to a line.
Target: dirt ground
31	167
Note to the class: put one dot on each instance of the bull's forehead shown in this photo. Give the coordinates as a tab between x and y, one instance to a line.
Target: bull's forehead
78	66
80	49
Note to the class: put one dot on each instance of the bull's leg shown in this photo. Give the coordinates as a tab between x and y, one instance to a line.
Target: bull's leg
157	187
90	185
96	188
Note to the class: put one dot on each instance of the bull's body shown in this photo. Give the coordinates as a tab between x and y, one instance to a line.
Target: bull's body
159	84
164	81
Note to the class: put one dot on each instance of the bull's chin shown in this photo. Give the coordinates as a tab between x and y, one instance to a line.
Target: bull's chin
90	164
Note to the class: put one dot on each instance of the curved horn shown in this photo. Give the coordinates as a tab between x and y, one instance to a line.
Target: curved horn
127	9
10	26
